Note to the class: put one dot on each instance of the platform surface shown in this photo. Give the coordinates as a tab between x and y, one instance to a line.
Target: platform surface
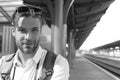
83	69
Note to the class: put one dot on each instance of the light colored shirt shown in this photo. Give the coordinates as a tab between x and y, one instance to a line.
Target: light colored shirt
29	71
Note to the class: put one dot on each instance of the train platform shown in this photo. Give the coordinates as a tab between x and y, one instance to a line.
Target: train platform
83	69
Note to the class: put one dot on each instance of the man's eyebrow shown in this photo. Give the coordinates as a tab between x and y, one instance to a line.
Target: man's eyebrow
35	28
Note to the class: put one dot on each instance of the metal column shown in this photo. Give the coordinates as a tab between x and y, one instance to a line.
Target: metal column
57	28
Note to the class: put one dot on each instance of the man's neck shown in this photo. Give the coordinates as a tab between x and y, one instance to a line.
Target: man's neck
25	57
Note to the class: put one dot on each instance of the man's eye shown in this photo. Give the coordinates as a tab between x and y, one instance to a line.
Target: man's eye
21	30
35	30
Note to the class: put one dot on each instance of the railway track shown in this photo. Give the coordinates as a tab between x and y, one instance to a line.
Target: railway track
111	66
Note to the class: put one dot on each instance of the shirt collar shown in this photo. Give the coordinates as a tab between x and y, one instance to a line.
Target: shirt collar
38	55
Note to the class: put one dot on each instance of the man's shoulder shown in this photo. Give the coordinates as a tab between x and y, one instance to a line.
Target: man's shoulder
6	63
60	58
7	57
61	68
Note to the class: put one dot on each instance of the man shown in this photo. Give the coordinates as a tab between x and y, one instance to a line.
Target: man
29	59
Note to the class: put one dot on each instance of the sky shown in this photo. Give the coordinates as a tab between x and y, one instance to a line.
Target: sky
107	30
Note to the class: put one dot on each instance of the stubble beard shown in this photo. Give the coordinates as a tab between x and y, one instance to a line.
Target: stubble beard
28	49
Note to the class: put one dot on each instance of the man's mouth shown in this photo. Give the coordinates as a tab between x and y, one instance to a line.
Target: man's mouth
27	43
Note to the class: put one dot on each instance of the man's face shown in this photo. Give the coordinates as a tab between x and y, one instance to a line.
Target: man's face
27	34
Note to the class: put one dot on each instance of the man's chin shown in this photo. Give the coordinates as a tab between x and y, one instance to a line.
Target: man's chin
27	51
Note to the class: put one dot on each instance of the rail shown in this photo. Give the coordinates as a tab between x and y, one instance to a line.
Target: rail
109	64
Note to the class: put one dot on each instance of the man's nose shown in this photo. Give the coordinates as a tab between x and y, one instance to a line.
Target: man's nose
28	36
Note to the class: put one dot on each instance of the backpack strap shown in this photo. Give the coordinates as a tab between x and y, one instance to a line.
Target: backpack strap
49	64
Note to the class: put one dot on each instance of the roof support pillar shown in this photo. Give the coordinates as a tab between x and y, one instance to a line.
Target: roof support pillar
59	26
58	29
71	49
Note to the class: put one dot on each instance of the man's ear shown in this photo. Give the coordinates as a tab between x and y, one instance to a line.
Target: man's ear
13	31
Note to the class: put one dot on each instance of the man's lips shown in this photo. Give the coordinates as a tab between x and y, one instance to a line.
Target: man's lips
27	43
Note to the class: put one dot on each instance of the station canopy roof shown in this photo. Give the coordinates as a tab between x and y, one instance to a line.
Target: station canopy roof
108	46
82	17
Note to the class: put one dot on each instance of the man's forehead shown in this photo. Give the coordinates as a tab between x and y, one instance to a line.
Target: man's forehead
28	22
19	22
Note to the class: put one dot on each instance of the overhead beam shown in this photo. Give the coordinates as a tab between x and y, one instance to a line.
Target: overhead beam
89	18
92	14
66	9
93	6
5	23
83	25
6	15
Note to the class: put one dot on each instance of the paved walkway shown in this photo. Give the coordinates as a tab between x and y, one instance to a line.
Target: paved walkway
85	70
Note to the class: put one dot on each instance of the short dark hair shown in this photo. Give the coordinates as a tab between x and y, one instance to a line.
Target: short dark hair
27	11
